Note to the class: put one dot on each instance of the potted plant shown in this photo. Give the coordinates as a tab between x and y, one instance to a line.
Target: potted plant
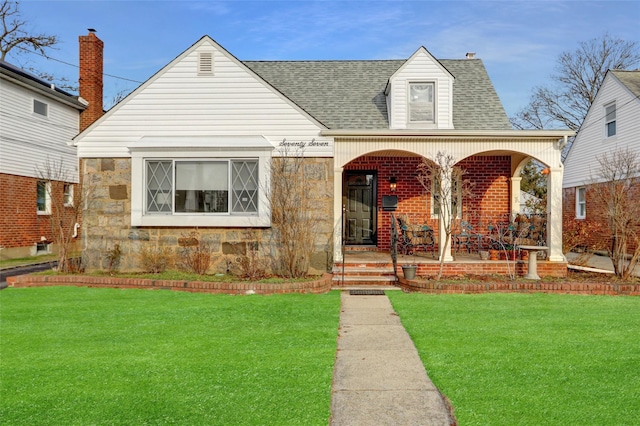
409	271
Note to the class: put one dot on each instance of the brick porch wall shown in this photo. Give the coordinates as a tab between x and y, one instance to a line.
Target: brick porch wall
491	193
21	227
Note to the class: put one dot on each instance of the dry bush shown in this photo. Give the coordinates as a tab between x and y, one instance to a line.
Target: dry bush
294	214
113	257
156	259
195	255
252	266
617	191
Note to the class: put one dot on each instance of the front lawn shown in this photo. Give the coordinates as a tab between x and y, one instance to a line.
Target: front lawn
79	356
530	359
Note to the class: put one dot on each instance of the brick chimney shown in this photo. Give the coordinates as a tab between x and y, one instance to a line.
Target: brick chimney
91	60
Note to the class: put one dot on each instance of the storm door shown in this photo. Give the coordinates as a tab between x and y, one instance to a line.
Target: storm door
360	208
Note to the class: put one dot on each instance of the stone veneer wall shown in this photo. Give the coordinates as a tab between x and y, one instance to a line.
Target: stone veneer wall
107	221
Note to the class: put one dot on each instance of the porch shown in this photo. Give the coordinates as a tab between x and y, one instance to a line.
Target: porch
372	169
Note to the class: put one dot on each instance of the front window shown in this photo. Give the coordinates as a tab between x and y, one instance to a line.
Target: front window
43	201
610	120
421	103
201	186
581	203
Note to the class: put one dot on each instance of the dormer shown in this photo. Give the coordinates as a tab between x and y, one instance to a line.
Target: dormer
420	94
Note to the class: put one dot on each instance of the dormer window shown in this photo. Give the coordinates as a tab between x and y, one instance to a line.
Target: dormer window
421	102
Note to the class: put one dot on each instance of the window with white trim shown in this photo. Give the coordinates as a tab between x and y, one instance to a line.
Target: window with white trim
215	186
40	108
581	203
68	194
43	197
456	198
421	103
610	120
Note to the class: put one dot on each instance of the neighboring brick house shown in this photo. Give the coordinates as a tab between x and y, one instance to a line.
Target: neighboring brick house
191	147
612	123
38	122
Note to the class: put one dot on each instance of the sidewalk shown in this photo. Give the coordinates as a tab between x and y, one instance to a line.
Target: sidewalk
378	377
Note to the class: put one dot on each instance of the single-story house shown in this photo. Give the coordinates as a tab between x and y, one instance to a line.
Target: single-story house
191	148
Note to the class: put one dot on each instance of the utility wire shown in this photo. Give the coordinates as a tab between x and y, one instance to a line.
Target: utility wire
74	65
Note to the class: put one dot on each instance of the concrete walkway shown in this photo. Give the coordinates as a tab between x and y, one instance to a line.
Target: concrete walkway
378	378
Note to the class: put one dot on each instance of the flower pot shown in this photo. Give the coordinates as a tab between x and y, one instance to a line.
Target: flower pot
484	255
494	255
409	271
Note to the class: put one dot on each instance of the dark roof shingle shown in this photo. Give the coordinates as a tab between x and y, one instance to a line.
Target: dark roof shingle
350	94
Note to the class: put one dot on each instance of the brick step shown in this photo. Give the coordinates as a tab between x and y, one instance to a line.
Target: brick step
357	271
363	281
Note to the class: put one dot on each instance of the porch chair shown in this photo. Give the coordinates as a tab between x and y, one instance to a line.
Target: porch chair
467	238
415	237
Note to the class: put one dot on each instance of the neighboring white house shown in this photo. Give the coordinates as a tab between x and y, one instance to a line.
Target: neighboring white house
612	123
37	124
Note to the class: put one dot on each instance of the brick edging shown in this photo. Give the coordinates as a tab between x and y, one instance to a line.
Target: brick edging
521	287
321	285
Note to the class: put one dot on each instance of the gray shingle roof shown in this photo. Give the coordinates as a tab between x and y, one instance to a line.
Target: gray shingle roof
631	79
350	94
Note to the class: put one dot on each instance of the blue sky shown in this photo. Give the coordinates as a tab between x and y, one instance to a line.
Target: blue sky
518	41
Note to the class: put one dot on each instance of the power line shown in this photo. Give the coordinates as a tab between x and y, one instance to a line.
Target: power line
74	65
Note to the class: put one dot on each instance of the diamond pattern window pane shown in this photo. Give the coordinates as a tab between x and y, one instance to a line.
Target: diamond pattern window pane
159	186
244	177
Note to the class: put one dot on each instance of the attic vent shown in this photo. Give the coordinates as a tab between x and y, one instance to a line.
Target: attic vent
205	63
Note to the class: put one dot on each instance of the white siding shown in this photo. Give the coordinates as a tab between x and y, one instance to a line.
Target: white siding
421	67
179	102
28	140
582	163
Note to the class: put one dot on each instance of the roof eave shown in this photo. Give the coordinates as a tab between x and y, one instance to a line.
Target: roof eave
469	134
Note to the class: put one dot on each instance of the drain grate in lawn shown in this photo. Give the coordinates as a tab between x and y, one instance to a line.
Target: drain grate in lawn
366	292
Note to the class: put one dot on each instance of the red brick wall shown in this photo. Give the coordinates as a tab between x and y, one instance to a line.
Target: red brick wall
490	201
598	236
20	223
91	66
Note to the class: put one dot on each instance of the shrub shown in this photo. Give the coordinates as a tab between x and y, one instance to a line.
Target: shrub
113	257
195	254
156	259
252	266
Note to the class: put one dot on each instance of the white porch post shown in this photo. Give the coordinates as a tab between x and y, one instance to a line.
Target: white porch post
515	195
337	214
445	216
554	215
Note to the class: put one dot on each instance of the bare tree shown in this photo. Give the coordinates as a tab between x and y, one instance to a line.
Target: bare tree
616	190
67	201
294	216
15	35
445	181
579	75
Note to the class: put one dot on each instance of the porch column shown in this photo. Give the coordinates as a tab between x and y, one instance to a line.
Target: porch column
445	216
554	214
337	214
515	195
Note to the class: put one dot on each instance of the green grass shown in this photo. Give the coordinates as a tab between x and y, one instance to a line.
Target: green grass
530	359
79	356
